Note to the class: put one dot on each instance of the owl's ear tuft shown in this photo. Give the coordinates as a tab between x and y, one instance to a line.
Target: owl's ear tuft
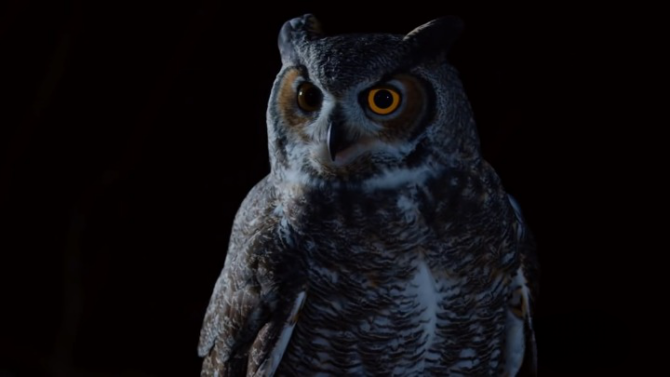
295	32
433	39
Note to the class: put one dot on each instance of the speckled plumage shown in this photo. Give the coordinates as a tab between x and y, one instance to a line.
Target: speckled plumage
377	245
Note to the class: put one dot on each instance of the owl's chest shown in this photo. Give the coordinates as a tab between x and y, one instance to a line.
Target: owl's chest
355	225
387	284
395	315
383	234
371	239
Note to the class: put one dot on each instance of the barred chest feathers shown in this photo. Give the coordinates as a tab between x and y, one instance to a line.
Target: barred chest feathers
389	285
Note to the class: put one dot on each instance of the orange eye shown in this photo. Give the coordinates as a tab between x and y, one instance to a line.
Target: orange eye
309	97
383	101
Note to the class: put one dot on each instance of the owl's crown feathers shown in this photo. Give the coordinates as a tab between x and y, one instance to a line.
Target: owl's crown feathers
430	40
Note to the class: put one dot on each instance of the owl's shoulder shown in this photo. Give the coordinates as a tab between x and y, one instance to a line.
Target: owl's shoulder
256	282
257	201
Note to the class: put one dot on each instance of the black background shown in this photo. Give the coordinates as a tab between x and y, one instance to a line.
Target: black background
131	132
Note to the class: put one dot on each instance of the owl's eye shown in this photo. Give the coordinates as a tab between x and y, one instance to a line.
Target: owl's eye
383	101
309	97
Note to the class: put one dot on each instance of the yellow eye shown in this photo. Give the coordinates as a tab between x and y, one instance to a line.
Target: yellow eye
383	101
309	97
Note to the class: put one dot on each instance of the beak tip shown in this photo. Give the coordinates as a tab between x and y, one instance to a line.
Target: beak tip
331	148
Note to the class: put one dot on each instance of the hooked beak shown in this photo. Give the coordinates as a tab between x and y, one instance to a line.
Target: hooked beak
338	139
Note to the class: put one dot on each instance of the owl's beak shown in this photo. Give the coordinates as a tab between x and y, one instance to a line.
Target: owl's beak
338	139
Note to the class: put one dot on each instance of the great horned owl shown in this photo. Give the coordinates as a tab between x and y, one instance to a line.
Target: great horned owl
381	243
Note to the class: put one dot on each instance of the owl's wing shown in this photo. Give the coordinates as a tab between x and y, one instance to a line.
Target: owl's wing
521	349
256	300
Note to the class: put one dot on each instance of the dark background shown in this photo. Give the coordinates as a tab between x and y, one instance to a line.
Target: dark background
131	132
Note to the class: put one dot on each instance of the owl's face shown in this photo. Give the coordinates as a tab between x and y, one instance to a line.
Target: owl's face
350	108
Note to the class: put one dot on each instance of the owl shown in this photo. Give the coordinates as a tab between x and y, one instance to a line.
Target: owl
380	243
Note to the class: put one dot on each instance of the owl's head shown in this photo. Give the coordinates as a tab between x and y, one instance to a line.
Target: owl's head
368	109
